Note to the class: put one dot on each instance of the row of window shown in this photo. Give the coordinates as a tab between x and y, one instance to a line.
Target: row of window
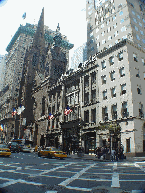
138	16
124	113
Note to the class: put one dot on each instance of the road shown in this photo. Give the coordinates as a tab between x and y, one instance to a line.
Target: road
26	172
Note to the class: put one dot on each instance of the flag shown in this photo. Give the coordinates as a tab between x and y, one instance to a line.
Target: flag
24	15
20	109
50	116
1	127
14	112
67	110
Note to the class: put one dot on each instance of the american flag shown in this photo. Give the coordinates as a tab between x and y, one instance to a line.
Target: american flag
67	110
50	116
14	112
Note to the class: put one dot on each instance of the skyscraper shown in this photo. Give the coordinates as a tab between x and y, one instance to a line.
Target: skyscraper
109	21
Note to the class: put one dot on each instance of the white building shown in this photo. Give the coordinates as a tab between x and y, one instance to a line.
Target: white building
121	71
110	21
79	56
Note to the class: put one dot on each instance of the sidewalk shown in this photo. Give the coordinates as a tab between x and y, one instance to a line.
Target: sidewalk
92	157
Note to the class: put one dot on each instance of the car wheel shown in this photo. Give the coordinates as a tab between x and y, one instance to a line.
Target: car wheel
39	155
49	156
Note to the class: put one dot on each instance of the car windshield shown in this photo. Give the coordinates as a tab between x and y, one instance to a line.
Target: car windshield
13	143
3	146
54	149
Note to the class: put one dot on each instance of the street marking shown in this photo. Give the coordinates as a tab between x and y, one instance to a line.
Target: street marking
51	170
139	166
12	181
76	176
19	168
77	188
115	177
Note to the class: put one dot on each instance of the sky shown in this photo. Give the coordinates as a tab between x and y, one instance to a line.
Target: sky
70	14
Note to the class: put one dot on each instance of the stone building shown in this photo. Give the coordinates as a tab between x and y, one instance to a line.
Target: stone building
32	53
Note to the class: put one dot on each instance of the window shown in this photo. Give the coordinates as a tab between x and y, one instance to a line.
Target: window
121	21
103	41
86	81
122	72
134	20
143	61
105	95
103	33
103	63
104	114
107	23
102	25
114	17
143	41
135	58
91	34
141	32
93	99
92	48
86	98
141	113
121	13
109	29
137	36
98	44
110	45
136	28
109	37
86	116
112	74
116	33
93	78
139	45
114	111
138	16
123	29
143	20
133	12
111	60
115	25
144	75
138	74
93	115
123	88
103	79
97	38
120	56
139	89
140	24
97	29
113	92
43	106
124	110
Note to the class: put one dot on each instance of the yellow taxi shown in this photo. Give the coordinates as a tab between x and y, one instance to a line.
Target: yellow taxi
52	152
4	150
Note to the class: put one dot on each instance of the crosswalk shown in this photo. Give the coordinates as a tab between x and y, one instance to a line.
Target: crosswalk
77	176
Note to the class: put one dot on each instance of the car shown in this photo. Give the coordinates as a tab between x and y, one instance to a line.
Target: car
52	152
14	147
27	149
4	150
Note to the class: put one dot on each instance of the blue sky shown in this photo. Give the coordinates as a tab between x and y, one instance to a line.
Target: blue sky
70	14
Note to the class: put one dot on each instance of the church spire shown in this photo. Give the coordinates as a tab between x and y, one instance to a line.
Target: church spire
39	40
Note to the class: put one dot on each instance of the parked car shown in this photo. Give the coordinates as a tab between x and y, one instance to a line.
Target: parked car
4	150
14	147
52	152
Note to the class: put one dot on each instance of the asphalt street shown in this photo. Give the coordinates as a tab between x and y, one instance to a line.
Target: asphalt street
26	172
